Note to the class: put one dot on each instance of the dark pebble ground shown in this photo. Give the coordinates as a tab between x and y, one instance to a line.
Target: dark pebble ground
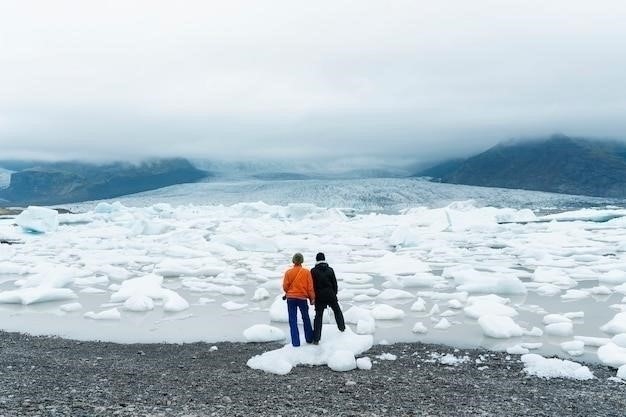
42	376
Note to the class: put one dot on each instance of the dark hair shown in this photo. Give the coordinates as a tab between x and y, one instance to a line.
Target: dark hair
320	257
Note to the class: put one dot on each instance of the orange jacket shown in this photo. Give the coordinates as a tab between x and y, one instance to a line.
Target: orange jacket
298	283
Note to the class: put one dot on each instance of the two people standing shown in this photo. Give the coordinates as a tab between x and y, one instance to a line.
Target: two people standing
319	286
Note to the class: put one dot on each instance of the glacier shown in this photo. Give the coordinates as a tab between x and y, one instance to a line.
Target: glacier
204	262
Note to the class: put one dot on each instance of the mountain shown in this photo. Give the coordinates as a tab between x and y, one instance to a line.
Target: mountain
65	182
558	164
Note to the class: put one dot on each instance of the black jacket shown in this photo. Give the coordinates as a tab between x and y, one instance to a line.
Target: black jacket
324	282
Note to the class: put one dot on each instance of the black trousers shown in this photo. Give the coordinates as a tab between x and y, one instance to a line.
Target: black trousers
320	306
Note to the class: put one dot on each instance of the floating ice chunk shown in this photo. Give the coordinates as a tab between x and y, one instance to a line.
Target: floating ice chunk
612	355
613	277
574	348
553	276
434	310
148	227
92	290
387	357
107	208
443	324
362	298
616	325
112	314
534	332
423	279
366	327
619	340
621	288
517	350
489	298
478	309
560	329
139	303
51	276
38	220
232	306
575	295
282	360
456	304
148	285
173	302
621	372
554	368
260	294
355	314
531	346
601	290
593	341
419	305
35	295
232	290
556	318
71	307
472	281
263	333
364	363
386	312
250	242
11	268
548	290
342	361
499	327
390	264
419	328
448	313
575	315
394	294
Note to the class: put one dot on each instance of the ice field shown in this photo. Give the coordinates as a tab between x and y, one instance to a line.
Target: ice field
534	277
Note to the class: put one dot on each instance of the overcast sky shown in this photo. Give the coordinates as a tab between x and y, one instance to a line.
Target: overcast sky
300	80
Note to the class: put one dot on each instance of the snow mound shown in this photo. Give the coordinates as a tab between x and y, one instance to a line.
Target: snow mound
342	361
281	361
541	367
364	363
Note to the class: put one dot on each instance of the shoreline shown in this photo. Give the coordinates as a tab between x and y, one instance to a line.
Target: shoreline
52	376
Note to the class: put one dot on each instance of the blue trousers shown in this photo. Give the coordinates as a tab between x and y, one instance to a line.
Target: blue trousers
293	304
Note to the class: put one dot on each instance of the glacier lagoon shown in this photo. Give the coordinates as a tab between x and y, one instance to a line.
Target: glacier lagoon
555	265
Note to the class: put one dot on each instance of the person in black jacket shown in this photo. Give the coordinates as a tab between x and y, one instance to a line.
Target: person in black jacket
325	286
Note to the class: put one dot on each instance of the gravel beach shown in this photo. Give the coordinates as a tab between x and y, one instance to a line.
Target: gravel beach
41	376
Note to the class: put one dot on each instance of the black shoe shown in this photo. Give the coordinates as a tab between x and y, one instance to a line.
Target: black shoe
316	342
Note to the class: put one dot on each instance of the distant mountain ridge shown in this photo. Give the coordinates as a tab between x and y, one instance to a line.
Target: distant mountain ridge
67	182
558	164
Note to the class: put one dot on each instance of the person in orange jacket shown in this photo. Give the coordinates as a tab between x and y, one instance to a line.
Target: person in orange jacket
298	287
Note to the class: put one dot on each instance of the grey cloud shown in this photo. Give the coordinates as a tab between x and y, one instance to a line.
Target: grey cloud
280	80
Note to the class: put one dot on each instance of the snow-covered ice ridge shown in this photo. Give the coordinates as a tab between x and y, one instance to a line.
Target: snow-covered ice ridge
500	278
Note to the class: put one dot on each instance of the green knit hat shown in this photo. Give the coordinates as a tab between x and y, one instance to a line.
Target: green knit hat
297	259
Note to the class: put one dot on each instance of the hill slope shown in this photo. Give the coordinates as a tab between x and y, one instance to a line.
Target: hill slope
558	164
64	182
